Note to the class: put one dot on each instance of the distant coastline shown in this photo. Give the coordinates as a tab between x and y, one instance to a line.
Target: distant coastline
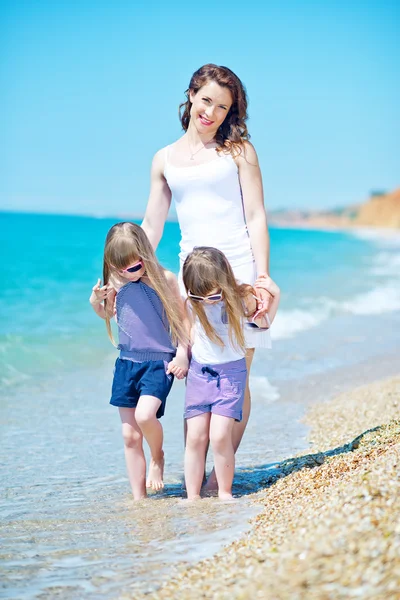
381	210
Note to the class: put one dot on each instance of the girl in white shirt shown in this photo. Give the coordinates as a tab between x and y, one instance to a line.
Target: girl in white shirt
221	311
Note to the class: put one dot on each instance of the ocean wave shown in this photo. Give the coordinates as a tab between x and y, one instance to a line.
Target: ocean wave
379	300
387	238
382	299
289	322
386	263
262	388
12	376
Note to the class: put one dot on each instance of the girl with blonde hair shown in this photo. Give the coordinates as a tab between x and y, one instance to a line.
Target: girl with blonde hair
222	310
153	339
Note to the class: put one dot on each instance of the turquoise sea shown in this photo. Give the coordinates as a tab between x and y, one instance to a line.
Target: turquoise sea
68	524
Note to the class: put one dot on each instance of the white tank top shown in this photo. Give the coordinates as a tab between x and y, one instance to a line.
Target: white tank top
204	351
209	206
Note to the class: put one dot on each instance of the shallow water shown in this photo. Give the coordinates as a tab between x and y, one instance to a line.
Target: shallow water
69	528
69	525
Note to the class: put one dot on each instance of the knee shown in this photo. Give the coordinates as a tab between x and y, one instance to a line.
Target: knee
197	439
220	441
144	416
132	438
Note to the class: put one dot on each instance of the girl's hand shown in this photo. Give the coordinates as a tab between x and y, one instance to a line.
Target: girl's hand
265	286
178	367
264	298
100	293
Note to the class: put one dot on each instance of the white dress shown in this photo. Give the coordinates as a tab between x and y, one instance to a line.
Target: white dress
210	211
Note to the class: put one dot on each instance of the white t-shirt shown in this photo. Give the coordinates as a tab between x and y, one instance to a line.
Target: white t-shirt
204	351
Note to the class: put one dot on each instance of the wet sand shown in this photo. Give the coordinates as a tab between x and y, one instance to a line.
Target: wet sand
330	522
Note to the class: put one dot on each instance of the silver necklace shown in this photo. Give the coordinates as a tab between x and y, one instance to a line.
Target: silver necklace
193	154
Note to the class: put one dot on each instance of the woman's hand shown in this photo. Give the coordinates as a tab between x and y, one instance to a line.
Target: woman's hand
269	292
264	298
265	289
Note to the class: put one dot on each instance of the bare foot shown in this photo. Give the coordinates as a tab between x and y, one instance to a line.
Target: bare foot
226	497
193	498
156	474
140	498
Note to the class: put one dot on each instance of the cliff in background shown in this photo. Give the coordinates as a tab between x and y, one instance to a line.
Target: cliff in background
380	210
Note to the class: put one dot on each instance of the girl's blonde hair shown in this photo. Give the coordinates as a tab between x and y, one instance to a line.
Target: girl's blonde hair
126	243
205	270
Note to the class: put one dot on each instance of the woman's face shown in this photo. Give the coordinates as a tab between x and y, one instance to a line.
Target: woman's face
210	106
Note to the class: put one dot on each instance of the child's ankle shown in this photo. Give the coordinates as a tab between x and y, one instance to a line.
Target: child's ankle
158	457
225	495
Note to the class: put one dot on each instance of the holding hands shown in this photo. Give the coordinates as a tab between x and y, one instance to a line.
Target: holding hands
178	366
268	294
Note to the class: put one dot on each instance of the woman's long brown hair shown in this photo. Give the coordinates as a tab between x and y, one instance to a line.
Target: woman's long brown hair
205	270
126	243
233	131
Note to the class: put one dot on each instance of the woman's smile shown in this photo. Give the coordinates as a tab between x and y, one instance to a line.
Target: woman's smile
205	121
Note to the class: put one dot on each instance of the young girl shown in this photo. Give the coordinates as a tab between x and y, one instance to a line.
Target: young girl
222	310
146	302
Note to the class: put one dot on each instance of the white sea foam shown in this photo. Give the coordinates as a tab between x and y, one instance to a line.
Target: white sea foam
383	299
386	263
289	322
262	388
389	238
12	376
379	300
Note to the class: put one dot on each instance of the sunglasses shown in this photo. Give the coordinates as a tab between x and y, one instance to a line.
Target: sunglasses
212	298
133	268
254	325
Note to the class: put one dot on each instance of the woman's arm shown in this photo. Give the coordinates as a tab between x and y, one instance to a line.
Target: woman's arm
159	201
253	202
255	215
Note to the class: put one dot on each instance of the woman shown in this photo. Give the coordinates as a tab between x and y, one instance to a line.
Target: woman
213	174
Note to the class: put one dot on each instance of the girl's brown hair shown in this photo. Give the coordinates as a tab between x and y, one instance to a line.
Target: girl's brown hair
205	270
127	243
233	131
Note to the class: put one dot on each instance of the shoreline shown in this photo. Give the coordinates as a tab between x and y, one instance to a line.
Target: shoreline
329	526
329	227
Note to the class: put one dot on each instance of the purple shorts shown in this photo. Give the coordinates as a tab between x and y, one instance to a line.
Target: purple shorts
218	389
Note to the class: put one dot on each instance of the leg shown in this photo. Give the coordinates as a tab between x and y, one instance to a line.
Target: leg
153	433
195	453
238	428
224	456
134	455
184	442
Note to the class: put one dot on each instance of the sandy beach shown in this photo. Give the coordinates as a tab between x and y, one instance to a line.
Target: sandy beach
330	521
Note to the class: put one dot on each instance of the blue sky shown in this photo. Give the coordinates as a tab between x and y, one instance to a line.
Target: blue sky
90	92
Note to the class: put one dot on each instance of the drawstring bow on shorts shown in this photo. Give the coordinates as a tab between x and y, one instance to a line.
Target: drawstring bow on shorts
212	375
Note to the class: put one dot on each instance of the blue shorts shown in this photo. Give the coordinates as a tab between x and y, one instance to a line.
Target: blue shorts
135	379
